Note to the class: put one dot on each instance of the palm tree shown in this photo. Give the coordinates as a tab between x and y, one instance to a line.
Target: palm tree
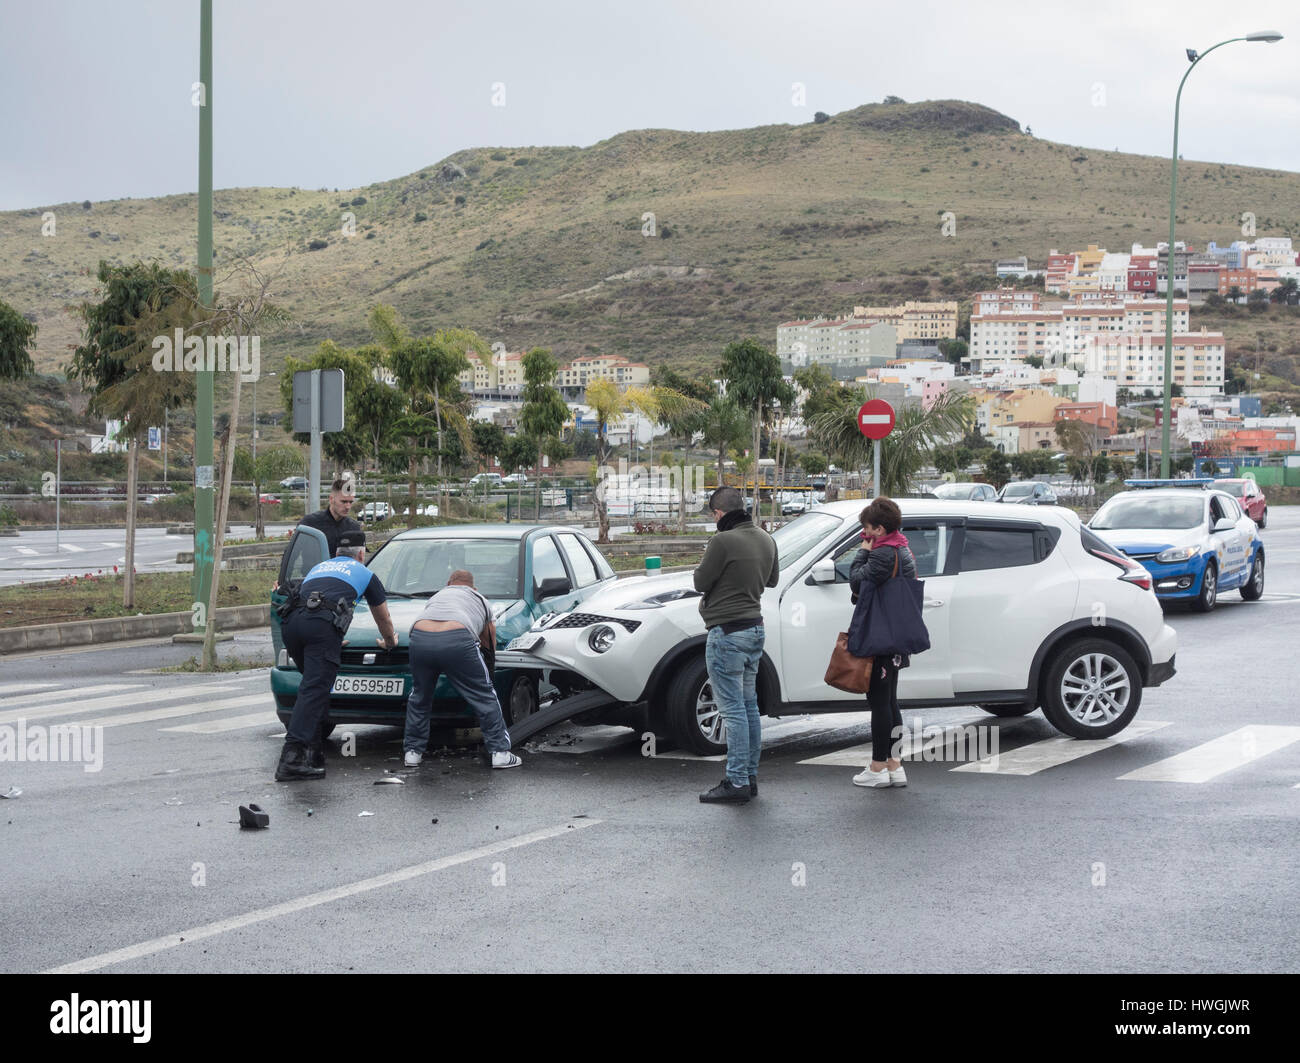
725	425
906	449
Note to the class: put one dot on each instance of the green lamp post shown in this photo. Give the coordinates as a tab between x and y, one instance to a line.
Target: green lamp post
1269	37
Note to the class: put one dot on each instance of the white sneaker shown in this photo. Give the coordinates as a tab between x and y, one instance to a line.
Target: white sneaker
412	759
898	778
867	777
505	759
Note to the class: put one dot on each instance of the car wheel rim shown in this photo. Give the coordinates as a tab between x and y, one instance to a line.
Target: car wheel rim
1257	578
708	717
1095	689
521	701
1211	586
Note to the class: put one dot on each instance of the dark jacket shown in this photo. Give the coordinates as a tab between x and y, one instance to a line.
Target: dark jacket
737	564
323	521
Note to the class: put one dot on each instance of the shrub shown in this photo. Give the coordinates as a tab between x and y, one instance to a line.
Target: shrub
523	160
8	518
359	201
820	117
420	216
460	201
498	156
317	245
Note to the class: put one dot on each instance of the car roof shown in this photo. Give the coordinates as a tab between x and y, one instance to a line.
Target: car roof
483	531
1177	492
943	507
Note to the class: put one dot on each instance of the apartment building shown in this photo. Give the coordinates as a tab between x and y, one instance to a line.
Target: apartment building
1137	361
915	320
613	367
503	374
1009	300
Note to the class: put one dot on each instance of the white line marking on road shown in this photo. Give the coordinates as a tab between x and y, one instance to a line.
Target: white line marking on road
12	688
171	712
71	693
26	550
857	756
1049	752
1214	758
135	698
233	723
779	733
110	544
312	900
72	549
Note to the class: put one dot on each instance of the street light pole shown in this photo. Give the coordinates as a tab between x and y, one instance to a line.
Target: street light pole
1269	37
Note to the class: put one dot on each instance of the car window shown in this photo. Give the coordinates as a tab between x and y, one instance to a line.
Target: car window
1141	510
584	572
1230	507
422	566
930	548
985	548
603	567
795	539
546	562
303	555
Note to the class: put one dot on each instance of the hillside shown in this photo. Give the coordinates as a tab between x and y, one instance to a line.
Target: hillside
544	246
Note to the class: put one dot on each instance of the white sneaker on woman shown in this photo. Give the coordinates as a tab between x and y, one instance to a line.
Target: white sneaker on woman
898	778
867	777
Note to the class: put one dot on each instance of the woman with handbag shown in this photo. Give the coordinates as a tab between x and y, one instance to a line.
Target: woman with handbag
885	556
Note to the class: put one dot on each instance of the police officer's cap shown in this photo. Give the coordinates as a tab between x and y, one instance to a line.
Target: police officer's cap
352	539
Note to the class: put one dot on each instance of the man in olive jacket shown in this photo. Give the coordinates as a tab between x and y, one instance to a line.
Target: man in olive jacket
738	563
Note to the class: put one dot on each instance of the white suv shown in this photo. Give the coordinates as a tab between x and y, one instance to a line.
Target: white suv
1025	608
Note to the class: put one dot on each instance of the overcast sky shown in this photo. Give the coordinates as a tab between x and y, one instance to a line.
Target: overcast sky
95	96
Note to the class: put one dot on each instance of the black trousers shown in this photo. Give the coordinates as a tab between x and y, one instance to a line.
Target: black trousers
316	647
882	699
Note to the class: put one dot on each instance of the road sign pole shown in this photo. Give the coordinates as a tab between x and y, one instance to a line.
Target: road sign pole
875	421
58	484
313	487
204	531
875	467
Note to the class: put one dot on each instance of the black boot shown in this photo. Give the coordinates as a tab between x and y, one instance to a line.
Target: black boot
295	763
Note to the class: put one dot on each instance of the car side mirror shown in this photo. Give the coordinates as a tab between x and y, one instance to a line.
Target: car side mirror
1224	524
553	586
823	571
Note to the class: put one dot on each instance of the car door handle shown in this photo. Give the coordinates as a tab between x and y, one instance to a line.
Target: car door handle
933	603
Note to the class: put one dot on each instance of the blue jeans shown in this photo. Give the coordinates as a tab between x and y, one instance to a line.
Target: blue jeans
732	661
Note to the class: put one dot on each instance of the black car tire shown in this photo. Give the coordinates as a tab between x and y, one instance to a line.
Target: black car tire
1263	518
1009	710
685	692
1204	601
522	702
1070	657
1253	589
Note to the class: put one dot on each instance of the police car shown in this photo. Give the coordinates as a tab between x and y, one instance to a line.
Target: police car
1193	538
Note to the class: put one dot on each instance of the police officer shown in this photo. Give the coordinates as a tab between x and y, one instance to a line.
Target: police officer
315	621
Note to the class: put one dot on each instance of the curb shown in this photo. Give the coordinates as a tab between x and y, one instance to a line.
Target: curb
121	628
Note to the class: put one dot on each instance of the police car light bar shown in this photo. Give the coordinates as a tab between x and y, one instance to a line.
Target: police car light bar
1197	481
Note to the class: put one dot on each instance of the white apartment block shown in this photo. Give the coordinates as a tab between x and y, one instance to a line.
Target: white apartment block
1009	300
1137	361
583	371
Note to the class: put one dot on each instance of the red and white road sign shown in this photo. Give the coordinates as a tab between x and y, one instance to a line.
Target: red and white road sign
876	419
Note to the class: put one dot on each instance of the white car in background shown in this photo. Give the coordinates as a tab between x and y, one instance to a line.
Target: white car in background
1012	601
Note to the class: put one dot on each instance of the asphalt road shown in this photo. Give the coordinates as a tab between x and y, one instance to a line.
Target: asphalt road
31	556
1172	850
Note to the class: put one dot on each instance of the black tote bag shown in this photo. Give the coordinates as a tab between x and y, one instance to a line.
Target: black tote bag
889	618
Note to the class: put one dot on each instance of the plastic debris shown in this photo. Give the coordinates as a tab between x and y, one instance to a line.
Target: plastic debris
435	819
309	811
11	793
390	780
253	816
359	814
175	801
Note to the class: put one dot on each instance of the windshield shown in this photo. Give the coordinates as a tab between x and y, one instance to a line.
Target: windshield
953	491
1016	490
1150	511
422	566
795	539
1232	487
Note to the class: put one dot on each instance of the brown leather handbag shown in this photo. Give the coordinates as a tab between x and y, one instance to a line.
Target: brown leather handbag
846	672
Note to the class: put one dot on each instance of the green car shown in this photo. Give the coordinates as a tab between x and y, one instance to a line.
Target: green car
524	570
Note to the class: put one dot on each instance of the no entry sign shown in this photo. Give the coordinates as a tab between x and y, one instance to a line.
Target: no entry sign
876	419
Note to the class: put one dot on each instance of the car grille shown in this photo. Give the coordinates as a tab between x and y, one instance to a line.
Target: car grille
398	658
1139	557
587	619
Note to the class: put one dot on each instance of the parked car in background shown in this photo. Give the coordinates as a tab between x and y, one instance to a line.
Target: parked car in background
294	483
268	500
1249	497
486	479
1028	493
1195	541
525	570
969	492
1010	599
516	478
373	511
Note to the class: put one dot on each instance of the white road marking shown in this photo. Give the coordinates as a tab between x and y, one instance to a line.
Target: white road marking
859	756
1049	752
232	723
111	544
13	688
54	695
26	550
71	548
1214	758
779	733
173	711
135	699
312	900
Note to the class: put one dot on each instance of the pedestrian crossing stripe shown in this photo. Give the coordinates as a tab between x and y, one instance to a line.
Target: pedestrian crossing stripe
910	749
9	713
232	723
782	733
133	698
1049	752
173	711
22	688
1212	759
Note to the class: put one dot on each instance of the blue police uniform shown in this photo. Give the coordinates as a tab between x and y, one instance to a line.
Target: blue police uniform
313	634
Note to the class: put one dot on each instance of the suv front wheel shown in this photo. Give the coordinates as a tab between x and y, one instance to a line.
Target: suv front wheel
1092	689
694	720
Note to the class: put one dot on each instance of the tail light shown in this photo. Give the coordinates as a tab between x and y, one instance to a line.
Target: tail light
1132	571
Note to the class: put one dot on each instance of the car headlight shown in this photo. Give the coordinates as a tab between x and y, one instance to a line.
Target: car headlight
1178	553
658	601
601	638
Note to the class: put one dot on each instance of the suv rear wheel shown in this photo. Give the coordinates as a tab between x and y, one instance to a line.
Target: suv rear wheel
523	699
1092	689
694	720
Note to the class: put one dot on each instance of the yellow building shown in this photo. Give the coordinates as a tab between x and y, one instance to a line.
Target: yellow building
915	320
1034	405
